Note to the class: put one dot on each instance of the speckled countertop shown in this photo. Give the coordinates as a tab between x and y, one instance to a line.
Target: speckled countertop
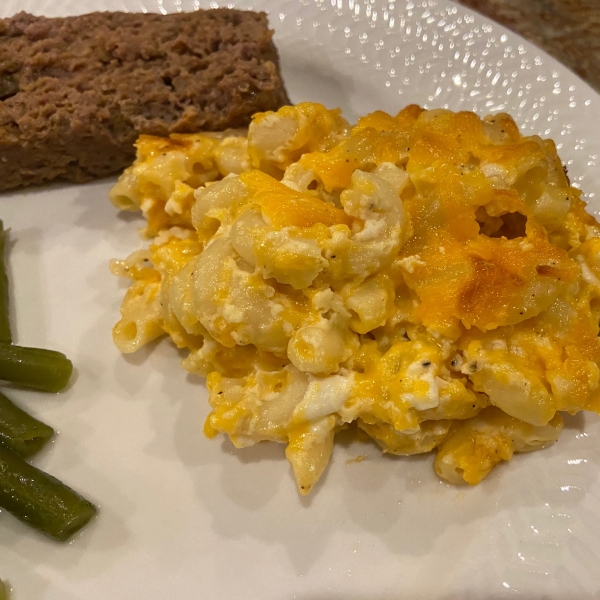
569	30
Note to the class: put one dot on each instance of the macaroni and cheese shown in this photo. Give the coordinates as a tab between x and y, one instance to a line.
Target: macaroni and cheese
430	277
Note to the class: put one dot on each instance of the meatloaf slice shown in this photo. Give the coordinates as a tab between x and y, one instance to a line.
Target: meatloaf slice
76	92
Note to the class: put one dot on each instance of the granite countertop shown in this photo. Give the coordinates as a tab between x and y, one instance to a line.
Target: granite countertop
569	30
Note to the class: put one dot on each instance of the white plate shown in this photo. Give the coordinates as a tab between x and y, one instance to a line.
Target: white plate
184	517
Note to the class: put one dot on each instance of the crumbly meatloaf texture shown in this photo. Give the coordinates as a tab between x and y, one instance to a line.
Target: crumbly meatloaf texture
76	92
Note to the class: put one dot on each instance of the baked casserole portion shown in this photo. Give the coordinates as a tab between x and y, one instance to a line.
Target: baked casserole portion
431	277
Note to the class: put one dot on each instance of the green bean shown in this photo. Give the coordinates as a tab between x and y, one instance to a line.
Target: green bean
36	368
41	500
3	592
5	335
19	431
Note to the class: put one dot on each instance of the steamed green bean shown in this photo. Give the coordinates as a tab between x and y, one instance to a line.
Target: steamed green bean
5	335
41	500
19	431
45	370
3	591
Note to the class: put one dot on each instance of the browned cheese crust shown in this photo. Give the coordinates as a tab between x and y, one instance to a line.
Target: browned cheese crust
76	92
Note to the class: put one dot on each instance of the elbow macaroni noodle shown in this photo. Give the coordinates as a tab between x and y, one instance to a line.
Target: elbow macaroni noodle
430	277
